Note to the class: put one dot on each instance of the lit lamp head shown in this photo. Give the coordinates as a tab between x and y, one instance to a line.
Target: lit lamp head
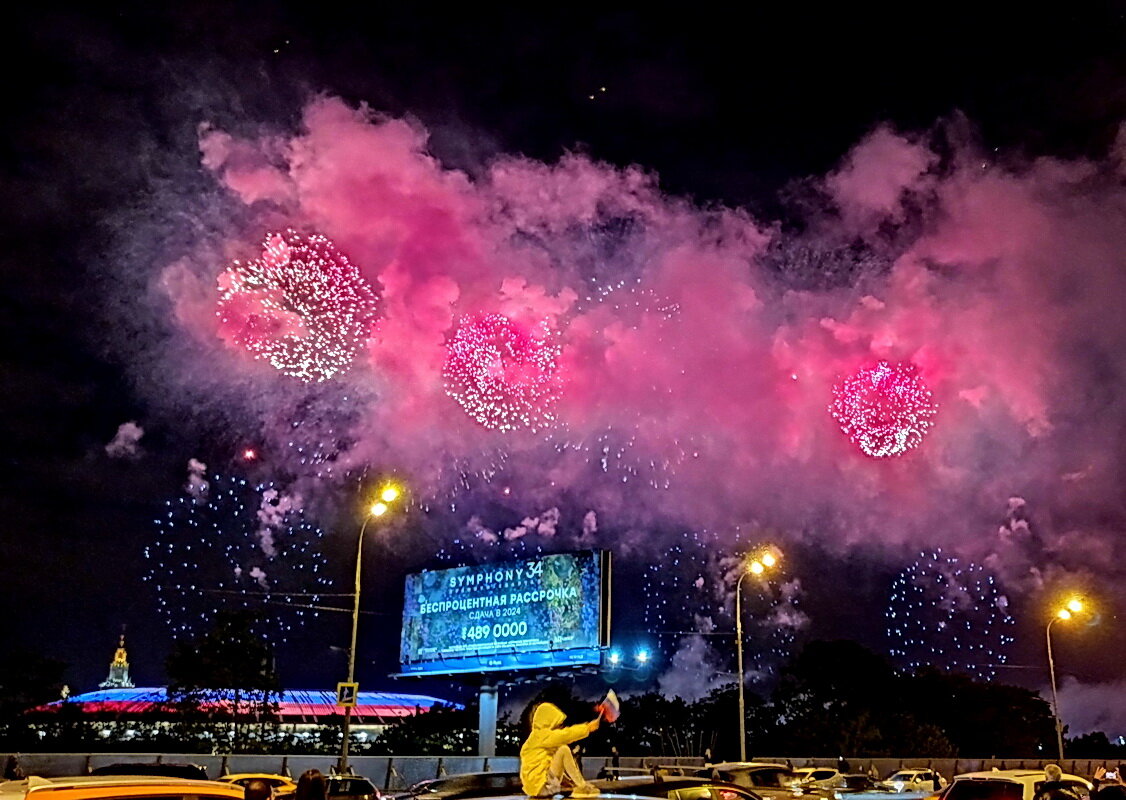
389	494
378	509
1063	613
1075	605
756	568
768	559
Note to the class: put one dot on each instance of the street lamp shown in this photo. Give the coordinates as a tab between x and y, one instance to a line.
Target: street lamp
387	495
1073	606
767	559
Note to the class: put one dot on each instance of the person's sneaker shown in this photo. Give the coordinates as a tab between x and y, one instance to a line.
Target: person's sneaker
585	790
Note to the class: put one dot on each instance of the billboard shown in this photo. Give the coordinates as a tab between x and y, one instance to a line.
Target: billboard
548	611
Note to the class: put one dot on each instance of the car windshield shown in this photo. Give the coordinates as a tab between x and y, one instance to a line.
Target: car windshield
984	790
803	773
903	776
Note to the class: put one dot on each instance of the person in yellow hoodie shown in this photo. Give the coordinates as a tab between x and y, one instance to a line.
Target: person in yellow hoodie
547	765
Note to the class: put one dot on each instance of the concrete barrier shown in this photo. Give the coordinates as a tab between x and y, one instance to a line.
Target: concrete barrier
393	773
390	773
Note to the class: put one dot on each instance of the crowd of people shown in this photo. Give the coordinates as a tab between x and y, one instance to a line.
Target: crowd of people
1108	784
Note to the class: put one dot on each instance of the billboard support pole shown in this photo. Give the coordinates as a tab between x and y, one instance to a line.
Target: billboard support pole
487	721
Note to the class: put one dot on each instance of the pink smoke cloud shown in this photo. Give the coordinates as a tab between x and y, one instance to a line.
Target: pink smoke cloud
689	372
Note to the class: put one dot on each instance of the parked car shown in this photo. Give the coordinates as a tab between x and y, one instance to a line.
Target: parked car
351	787
1007	784
283	787
674	788
187	771
820	777
913	779
855	783
467	785
771	781
118	787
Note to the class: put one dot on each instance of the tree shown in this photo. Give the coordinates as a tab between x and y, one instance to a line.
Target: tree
839	697
657	725
983	719
224	682
443	730
1094	745
27	680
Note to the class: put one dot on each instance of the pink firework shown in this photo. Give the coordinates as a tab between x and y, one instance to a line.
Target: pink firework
503	375
302	306
886	409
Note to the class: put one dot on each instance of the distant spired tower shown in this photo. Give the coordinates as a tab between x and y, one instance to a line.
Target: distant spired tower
118	669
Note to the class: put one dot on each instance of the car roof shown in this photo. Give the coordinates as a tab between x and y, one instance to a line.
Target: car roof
1010	774
675	780
238	776
1018	776
734	765
37	785
606	794
468	776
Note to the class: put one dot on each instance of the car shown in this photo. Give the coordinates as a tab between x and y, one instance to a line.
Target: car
856	783
118	787
770	780
913	779
189	771
465	785
820	777
1007	784
674	788
282	786
351	787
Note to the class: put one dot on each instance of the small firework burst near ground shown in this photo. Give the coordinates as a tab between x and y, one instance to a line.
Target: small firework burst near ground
505	376
949	613
886	410
302	306
231	544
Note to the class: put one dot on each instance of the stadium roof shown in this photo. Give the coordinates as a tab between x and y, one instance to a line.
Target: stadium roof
294	705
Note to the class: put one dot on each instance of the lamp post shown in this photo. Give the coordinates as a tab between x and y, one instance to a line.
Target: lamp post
386	496
1073	606
756	567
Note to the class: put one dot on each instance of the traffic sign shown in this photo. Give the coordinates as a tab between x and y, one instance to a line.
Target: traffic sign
347	694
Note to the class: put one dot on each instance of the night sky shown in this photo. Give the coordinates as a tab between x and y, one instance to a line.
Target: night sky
940	186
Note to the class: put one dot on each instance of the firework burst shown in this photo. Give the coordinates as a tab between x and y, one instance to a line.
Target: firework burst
302	306
226	543
949	613
503	375
886	410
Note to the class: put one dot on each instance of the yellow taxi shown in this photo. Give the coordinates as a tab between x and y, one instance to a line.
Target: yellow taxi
118	787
